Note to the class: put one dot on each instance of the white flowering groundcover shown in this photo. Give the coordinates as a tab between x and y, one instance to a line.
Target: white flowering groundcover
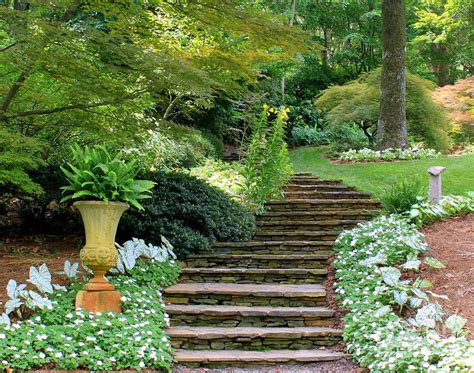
56	336
387	155
370	260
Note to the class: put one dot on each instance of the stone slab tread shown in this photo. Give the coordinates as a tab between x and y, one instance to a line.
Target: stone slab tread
255	271
205	332
247	311
257	290
258	243
262	256
235	357
319	201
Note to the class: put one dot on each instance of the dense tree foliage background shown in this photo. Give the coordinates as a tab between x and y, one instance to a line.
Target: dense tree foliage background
171	80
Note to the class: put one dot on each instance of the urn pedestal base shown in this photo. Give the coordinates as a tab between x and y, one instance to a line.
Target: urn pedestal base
99	301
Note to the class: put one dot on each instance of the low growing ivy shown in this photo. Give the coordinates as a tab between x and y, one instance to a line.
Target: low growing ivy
370	260
59	337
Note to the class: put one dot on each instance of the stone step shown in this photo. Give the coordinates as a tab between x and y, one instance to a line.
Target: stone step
303	174
314	180
252	338
241	316
305	225
254	275
326	195
317	187
317	215
322	204
247	294
274	247
245	359
300	235
317	260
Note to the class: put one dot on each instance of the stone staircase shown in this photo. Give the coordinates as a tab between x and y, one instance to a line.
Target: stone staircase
263	302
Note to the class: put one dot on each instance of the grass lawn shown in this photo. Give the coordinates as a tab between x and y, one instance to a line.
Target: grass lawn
374	177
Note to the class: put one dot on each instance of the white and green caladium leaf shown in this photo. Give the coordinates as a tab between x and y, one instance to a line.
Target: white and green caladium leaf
71	270
421	283
168	246
428	315
39	301
415	302
4	319
455	323
14	290
41	278
59	287
12	305
419	293
433	262
401	297
390	275
412	263
377	259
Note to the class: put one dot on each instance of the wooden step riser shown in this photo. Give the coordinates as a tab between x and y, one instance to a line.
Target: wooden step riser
255	263
249	321
241	278
255	344
244	300
295	236
288	227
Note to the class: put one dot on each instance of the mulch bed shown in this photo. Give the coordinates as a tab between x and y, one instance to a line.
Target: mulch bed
452	242
17	255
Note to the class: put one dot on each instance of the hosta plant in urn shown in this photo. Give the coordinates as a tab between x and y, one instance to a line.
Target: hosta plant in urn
103	187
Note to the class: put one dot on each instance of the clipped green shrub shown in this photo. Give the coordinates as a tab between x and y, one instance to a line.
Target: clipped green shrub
358	102
190	213
400	197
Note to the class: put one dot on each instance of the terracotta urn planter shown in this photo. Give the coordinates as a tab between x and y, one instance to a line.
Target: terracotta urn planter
99	254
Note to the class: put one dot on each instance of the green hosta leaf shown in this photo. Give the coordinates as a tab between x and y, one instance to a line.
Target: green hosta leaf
455	323
433	262
391	276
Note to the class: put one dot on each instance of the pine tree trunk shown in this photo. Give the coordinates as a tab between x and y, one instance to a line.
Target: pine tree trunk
392	127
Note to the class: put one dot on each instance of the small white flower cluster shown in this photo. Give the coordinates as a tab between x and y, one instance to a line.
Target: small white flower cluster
71	339
387	155
368	264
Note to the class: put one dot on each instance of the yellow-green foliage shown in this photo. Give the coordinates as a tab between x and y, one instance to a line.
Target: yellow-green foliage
358	101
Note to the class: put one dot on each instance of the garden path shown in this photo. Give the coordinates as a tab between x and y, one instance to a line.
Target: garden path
264	302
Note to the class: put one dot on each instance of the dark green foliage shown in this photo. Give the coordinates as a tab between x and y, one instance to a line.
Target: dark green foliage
358	102
400	197
190	213
309	136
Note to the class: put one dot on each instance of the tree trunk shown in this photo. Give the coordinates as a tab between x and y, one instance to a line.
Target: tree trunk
440	63
392	127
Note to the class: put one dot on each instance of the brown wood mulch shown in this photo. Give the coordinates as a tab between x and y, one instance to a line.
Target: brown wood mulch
452	242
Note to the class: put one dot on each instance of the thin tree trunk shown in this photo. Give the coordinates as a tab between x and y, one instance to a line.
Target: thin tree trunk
440	63
392	127
291	23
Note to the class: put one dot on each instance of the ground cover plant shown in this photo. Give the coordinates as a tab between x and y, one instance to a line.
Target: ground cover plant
370	264
375	177
52	334
387	155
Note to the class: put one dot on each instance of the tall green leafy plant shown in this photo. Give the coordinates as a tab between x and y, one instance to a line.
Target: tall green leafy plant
95	174
267	166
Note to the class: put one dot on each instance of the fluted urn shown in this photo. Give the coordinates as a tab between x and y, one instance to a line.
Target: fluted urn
99	254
